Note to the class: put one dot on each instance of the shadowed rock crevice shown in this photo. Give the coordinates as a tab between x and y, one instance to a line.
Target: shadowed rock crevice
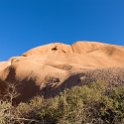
27	89
11	75
54	48
3	87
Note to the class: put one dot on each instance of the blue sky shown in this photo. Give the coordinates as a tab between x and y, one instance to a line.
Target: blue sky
25	24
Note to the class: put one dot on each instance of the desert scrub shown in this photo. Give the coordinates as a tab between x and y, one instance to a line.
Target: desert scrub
4	106
72	106
111	107
78	105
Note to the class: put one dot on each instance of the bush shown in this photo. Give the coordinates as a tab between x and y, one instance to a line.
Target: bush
89	104
111	107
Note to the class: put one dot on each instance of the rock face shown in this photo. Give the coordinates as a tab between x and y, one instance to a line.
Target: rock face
46	68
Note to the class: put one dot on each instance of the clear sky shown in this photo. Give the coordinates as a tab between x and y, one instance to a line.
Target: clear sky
25	24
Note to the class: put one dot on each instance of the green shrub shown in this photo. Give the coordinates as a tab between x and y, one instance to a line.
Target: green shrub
111	107
72	106
89	104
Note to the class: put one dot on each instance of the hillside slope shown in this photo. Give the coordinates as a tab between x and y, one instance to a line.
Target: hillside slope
55	66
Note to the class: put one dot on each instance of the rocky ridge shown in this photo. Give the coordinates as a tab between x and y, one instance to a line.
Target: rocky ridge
48	69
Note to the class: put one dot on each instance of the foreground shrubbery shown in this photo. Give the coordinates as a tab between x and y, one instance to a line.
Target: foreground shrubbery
88	104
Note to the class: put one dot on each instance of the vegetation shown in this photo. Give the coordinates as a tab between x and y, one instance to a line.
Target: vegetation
89	104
